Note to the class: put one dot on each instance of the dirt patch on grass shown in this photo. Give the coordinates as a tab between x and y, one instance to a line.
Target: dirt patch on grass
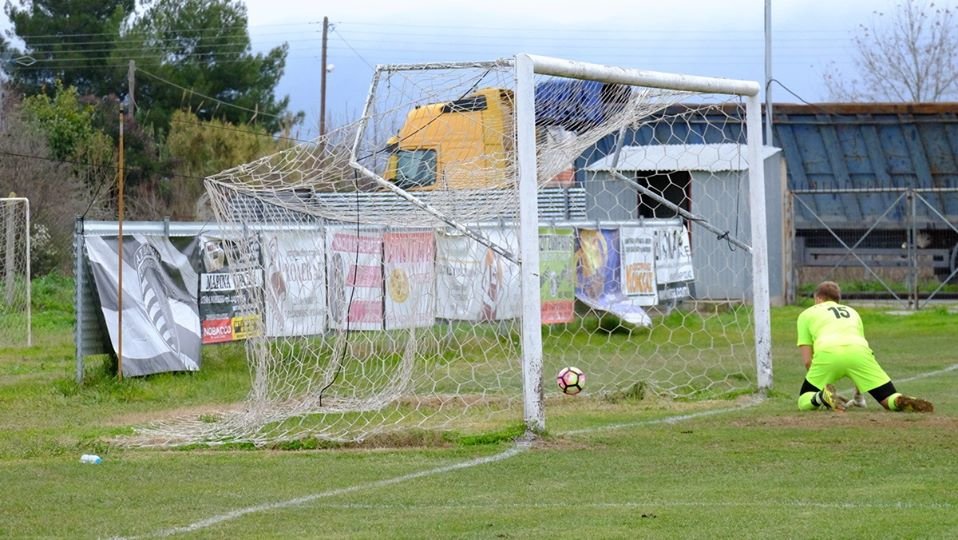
880	419
165	415
563	443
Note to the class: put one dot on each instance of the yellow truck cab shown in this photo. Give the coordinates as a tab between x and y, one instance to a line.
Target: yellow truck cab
462	144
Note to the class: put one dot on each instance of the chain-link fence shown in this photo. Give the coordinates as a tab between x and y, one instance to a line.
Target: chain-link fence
898	244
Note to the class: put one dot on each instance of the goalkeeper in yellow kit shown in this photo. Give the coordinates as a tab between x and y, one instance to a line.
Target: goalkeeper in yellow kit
832	341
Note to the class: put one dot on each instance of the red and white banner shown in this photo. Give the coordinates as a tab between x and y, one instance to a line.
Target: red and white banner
409	264
355	264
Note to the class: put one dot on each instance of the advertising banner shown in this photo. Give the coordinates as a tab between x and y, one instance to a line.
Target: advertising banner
161	326
229	289
557	274
355	264
410	267
474	283
638	265
673	255
295	293
598	270
674	273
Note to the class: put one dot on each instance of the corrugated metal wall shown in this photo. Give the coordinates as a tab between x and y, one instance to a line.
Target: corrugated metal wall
867	146
836	147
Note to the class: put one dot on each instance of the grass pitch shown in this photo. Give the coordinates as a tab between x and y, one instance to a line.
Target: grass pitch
626	468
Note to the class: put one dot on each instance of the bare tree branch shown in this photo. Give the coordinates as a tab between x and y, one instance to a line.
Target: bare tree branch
911	55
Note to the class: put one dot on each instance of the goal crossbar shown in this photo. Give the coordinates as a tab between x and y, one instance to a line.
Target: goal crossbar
559	67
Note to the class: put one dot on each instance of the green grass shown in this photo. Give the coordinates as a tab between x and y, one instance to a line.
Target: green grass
925	286
607	467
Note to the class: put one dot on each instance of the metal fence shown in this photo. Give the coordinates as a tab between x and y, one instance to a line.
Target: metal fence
898	244
91	337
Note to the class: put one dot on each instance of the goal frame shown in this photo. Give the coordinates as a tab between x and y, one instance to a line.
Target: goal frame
525	68
7	251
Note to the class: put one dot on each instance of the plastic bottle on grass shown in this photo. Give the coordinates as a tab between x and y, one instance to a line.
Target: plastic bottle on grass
90	458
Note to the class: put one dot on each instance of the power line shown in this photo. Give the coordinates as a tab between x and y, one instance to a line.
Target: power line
179	30
240	130
384	41
204	96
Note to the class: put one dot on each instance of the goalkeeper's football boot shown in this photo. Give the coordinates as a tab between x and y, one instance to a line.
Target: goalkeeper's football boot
830	398
858	400
911	404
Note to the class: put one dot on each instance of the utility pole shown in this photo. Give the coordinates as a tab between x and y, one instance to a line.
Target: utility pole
322	83
121	173
768	72
119	249
131	84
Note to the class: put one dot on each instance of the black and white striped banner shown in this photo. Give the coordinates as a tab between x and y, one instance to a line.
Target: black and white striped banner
161	324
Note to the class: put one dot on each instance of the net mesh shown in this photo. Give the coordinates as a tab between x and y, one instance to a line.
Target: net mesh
379	262
15	327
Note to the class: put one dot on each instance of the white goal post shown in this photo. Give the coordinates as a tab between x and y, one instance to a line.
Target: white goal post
431	266
527	66
15	310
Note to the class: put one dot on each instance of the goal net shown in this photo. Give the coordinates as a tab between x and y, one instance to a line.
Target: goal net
15	325
432	266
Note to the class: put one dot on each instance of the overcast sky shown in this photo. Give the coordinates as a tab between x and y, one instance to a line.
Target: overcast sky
722	38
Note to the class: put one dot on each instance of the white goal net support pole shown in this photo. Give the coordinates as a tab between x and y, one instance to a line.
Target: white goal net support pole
483	225
527	66
15	309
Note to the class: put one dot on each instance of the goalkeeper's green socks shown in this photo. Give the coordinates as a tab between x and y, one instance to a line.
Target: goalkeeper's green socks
827	398
901	402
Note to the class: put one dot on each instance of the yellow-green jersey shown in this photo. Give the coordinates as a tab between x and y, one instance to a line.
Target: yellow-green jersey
830	325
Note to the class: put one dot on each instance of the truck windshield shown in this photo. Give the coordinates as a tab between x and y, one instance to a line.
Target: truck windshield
416	168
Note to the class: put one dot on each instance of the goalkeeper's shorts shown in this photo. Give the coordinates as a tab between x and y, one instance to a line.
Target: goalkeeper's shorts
852	361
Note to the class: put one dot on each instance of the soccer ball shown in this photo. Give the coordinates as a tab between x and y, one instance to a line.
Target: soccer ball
571	380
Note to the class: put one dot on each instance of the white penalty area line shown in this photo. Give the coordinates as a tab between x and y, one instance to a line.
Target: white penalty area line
948	369
518	448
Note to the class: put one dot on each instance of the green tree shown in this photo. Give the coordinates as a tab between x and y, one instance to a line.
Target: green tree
198	148
207	147
68	125
57	189
201	60
69	41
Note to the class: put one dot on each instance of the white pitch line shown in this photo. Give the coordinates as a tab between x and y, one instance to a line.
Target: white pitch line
515	450
667	420
950	368
209	522
925	375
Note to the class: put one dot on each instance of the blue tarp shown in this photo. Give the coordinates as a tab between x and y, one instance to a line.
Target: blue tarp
575	104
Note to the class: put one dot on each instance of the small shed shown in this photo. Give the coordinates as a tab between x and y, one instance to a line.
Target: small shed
708	180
